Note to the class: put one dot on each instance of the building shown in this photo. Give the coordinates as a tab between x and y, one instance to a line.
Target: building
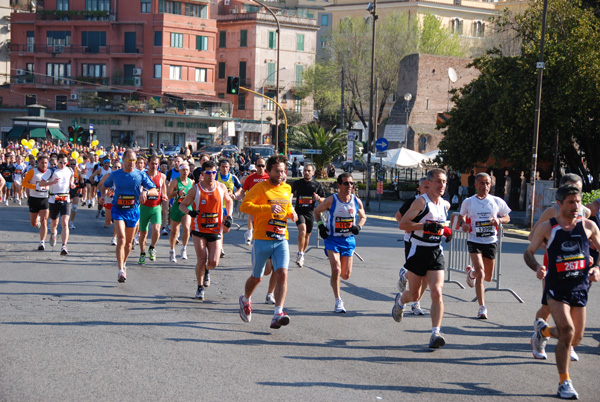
109	61
247	47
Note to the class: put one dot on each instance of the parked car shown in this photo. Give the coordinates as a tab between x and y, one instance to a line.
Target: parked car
147	152
355	165
293	153
215	150
256	151
172	150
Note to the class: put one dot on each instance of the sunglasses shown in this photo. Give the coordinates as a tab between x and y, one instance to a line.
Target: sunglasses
131	160
261	165
61	162
210	172
347	183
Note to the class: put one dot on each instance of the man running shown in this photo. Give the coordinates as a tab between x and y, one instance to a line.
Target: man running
7	169
151	211
207	200
60	181
233	186
270	204
18	175
567	279
178	189
74	193
339	233
128	183
425	219
38	199
480	216
307	191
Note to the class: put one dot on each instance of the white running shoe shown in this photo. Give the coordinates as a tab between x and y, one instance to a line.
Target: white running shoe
164	231
566	390
574	356
437	340
270	299
206	279
248	237
470	271
300	259
482	313
172	257
184	253
416	309
53	239
113	242
122	277
71	226
402	281
41	247
18	201
397	311
339	306
136	239
6	202
538	341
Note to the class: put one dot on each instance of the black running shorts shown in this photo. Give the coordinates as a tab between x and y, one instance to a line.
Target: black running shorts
422	259
37	204
486	250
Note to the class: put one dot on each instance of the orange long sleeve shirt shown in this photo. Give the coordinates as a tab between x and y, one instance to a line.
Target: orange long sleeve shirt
258	202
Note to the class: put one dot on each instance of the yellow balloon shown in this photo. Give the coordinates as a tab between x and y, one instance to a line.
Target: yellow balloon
32	142
29	146
34	151
80	160
95	143
98	152
27	159
75	154
24	142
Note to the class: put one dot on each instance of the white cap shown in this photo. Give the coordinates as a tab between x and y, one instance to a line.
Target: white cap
252	167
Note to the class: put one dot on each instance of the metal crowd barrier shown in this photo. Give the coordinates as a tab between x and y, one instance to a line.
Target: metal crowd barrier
458	259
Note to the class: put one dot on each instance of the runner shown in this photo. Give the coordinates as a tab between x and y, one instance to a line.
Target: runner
106	199
96	177
270	204
7	169
338	234
233	186
151	211
74	192
164	166
553	212
206	200
567	279
38	199
307	191
178	189
125	211
89	170
480	216
60	181
425	219
18	174
402	281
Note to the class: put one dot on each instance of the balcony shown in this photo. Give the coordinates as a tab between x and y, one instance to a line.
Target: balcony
78	49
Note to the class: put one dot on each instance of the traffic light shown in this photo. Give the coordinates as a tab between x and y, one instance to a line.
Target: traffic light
71	131
79	134
233	85
281	147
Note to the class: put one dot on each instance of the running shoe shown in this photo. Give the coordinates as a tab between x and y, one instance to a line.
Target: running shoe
482	313
41	247
436	341
280	320
416	309
152	252
89	204
574	356
248	237
199	293
246	310
300	259
71	226
172	257
206	279
98	214
136	239
122	276
402	281
339	306
538	341
566	390
38	224
53	239
102	213
177	241
184	253
164	232
270	299
6	202
142	259
83	203
470	271
18	201
113	242
397	311
222	252
63	250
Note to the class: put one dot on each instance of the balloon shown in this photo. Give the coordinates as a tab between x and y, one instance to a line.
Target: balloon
27	159
95	143
34	151
32	142
75	154
24	142
29	146
98	152
80	160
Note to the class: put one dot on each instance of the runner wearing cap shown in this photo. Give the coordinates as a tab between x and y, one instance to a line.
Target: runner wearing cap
178	189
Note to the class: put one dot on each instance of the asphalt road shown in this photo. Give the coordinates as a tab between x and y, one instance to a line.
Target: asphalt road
69	331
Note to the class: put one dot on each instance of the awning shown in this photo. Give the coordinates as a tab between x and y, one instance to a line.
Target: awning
37	133
16	132
197	98
56	133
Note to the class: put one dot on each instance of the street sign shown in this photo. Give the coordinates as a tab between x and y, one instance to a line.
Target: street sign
382	154
380	175
382	144
352	135
312	151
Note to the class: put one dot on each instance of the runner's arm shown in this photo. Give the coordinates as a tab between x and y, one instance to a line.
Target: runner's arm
163	187
322	207
361	214
406	222
228	200
250	204
548	213
27	179
541	233
188	200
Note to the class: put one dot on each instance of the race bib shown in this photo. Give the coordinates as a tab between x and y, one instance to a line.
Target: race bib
569	265
126	201
276	229
61	198
305	201
484	229
343	225
434	237
152	197
209	220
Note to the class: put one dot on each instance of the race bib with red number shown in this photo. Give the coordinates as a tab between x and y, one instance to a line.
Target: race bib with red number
126	201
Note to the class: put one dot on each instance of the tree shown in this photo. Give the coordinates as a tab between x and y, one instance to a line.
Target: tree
311	136
504	97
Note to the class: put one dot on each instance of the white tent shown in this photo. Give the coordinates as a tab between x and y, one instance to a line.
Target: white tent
403	158
431	155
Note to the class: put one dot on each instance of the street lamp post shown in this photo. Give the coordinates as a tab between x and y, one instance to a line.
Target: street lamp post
407	98
262	101
372	8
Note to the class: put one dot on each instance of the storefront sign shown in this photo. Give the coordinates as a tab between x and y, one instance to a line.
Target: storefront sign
98	122
181	124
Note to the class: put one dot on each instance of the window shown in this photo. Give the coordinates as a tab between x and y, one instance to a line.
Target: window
221	70
242	102
175	72
271	74
456	26
158	38
93	70
242	73
422	143
221	95
324	20
176	40
169	7
271	104
93	40
30	99
222	39
323	42
300	42
478	29
299	71
54	38
30	41
29	75
201	42
244	38
297	104
196	10
146	6
157	71
200	75
272	39
57	71
62	5
61	102
97	5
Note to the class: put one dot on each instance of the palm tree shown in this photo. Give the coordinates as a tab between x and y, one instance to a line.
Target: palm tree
311	136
